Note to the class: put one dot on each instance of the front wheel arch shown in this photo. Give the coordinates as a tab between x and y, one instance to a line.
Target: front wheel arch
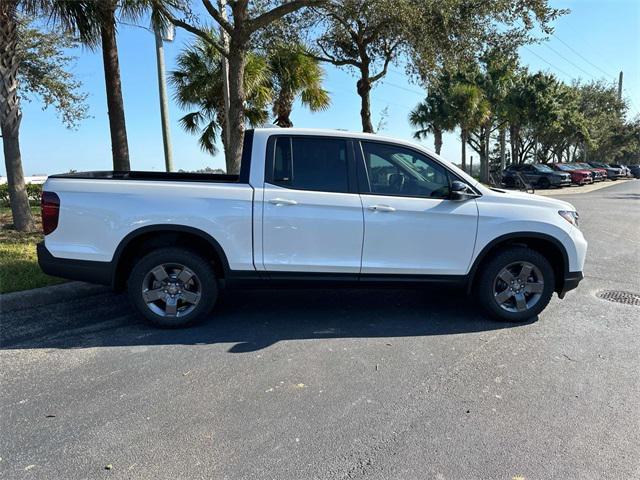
545	244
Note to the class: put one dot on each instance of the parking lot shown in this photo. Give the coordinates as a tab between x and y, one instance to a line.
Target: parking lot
337	383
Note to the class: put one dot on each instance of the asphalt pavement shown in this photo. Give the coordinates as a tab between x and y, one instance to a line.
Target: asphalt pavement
335	384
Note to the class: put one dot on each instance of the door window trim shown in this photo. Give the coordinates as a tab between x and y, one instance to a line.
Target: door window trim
352	183
364	183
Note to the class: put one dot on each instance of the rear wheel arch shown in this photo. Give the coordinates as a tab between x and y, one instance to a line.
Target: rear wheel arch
146	239
545	244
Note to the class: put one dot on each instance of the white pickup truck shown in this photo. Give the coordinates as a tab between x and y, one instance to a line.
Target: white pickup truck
314	206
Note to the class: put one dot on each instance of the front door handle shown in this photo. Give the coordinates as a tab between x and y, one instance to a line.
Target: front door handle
382	208
282	201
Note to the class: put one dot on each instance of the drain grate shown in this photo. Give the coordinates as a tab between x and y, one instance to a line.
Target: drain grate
619	296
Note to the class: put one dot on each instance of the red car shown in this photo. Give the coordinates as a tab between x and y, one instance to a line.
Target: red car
599	174
579	176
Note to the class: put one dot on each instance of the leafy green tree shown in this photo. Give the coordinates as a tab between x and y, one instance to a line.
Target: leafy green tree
470	109
33	65
605	114
366	36
433	116
295	74
95	23
198	84
246	20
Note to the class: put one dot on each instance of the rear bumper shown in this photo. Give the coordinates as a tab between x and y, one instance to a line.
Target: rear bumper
84	270
571	281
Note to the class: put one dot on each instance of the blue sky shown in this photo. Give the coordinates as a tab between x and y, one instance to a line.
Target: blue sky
605	35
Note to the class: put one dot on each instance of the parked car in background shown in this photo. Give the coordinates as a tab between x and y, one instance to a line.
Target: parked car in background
579	176
535	174
634	170
599	174
625	172
612	172
311	206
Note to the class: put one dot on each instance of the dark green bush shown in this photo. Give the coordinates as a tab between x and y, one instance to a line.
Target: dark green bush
34	190
4	195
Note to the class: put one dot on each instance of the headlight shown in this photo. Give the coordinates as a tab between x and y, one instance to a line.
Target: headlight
570	216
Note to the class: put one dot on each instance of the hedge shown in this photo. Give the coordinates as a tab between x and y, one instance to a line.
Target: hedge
34	190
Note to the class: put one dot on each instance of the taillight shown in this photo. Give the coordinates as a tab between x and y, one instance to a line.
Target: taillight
50	207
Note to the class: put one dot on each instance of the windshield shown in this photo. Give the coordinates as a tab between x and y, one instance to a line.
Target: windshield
565	168
543	168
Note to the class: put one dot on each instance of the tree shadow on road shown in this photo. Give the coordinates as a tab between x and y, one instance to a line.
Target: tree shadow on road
253	320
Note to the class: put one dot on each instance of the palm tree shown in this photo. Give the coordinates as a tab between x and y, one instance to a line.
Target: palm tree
295	74
96	24
432	116
198	83
470	109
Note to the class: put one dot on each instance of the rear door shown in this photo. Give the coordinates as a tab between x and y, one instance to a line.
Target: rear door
411	225
312	213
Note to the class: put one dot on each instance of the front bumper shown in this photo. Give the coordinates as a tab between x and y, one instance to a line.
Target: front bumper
571	281
84	270
561	181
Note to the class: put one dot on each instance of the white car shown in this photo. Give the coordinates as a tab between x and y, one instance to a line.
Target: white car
314	206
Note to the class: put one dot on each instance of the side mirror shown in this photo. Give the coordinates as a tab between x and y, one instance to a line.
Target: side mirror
461	191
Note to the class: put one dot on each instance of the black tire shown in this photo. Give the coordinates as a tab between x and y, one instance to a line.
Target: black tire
201	288
544	183
485	285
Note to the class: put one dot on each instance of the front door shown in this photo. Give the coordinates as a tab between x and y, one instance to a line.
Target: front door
312	215
411	225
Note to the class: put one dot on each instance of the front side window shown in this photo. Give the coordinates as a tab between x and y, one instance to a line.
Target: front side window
311	163
394	170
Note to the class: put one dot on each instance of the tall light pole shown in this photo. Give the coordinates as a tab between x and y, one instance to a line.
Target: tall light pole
162	88
620	86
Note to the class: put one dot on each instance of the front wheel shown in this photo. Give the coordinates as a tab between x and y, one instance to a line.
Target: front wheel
173	287
516	284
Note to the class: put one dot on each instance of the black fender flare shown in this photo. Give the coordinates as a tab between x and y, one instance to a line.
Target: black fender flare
169	228
514	236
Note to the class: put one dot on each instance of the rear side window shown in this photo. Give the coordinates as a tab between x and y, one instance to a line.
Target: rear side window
311	163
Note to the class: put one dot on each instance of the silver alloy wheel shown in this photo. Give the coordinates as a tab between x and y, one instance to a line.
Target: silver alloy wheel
171	290
518	287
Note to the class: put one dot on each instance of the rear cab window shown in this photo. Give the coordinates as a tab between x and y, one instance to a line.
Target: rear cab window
310	163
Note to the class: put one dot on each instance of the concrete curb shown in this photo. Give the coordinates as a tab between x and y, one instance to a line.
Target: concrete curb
38	297
594	187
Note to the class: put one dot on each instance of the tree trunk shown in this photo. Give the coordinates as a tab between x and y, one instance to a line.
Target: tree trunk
10	117
282	110
437	139
364	89
514	135
503	149
115	103
463	140
237	59
484	155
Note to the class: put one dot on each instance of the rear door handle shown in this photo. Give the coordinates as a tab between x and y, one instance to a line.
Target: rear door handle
282	201
382	208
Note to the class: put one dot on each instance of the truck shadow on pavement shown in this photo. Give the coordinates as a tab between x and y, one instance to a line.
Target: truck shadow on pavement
252	320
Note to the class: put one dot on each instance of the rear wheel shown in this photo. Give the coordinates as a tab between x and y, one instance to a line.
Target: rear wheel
173	287
516	284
